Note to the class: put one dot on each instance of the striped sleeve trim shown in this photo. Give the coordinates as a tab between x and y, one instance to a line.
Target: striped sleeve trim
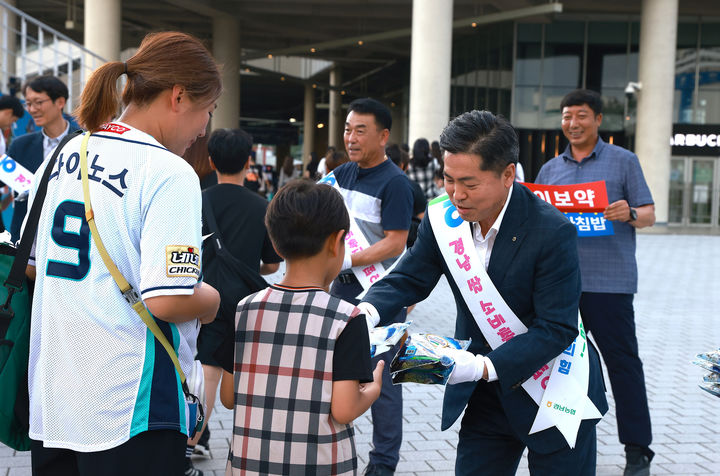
167	291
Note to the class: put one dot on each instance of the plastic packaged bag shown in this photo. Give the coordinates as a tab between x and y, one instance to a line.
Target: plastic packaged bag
710	361
384	338
712	377
711	388
712	357
421	359
707	365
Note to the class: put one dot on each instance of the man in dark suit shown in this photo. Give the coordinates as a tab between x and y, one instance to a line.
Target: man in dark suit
45	98
529	251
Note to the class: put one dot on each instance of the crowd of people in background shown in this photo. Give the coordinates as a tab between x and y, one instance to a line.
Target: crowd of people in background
423	166
247	216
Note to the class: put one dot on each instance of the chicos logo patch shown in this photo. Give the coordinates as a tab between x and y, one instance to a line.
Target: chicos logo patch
182	261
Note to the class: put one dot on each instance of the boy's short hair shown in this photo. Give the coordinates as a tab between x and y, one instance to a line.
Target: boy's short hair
229	150
302	216
11	102
583	96
49	85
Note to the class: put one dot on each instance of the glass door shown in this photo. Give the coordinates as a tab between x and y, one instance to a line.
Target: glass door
678	192
702	190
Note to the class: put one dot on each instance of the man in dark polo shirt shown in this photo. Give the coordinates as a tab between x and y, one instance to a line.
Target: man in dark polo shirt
607	263
378	196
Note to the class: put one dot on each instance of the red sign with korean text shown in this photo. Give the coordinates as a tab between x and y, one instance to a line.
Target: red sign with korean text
579	197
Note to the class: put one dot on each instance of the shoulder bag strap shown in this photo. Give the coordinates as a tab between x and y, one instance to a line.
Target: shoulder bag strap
130	294
16	276
251	277
209	217
17	272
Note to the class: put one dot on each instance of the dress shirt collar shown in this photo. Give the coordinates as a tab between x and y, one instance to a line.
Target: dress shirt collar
599	146
50	143
495	228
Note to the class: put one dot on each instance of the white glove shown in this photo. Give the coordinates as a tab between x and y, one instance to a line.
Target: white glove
372	317
347	260
468	366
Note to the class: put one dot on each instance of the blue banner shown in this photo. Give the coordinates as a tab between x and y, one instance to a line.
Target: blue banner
591	224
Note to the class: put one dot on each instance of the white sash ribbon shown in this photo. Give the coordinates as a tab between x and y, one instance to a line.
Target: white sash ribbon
15	175
559	388
355	240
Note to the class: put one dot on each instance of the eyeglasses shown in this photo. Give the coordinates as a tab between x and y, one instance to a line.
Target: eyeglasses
36	104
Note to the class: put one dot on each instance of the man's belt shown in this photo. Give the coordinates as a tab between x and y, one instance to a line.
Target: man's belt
347	278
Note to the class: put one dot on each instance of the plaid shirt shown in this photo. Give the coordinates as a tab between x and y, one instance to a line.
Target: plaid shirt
424	177
283	384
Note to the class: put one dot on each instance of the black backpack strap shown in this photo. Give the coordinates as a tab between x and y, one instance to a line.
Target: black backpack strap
15	279
251	277
209	217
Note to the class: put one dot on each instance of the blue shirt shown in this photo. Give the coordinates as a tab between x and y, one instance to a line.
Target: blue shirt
607	263
380	198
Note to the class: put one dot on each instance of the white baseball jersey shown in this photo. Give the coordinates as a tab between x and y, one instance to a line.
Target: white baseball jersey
97	375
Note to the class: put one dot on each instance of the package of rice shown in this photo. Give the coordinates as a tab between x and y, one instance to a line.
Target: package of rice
422	358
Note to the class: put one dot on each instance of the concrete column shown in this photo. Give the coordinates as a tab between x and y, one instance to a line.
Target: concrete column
8	44
336	120
399	124
102	29
430	68
226	49
308	124
658	32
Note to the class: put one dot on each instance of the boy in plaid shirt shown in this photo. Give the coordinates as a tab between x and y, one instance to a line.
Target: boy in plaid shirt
302	357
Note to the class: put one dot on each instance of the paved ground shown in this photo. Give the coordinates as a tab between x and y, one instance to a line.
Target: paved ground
676	314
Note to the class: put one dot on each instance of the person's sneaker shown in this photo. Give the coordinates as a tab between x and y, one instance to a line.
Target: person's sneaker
203	445
191	470
378	470
637	461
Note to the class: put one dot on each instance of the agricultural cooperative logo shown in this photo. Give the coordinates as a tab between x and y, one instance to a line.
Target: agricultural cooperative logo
560	408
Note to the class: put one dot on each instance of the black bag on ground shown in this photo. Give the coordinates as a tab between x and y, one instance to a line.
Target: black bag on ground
15	307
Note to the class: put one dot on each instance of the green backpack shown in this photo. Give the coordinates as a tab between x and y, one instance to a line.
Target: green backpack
15	307
14	351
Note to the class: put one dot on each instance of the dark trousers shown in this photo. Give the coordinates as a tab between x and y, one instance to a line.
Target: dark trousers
489	446
387	411
149	453
611	320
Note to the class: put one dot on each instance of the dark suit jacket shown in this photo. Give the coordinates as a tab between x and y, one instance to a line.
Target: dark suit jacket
27	150
534	266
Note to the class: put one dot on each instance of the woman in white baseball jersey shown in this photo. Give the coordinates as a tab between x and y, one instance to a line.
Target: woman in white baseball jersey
105	398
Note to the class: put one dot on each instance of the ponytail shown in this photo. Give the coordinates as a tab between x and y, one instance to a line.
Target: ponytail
163	60
99	101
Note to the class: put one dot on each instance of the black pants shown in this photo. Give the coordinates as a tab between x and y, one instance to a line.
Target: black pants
611	319
151	453
387	411
488	445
